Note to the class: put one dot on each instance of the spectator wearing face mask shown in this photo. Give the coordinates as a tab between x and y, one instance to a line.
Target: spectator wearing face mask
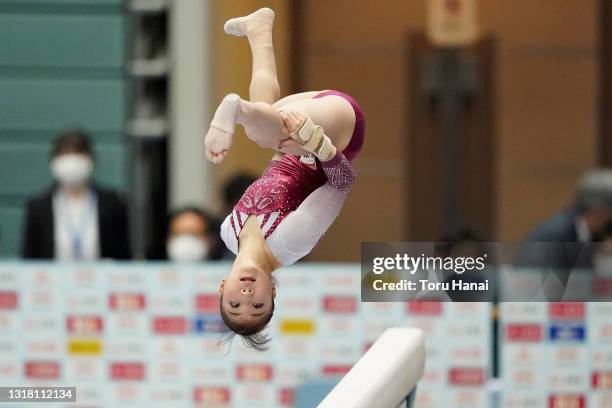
193	236
75	219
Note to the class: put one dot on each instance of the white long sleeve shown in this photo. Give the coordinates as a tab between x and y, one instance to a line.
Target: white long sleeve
301	230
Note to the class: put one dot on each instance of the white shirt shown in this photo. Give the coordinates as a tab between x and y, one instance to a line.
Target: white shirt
582	230
75	223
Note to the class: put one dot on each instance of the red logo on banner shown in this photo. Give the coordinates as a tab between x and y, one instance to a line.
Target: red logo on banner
207	303
334	370
126	301
424	307
212	395
466	376
44	370
84	325
127	371
8	369
524	332
8	300
286	397
170	325
254	372
567	311
340	304
602	380
566	401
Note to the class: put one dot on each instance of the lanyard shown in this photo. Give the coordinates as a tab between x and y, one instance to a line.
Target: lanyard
77	235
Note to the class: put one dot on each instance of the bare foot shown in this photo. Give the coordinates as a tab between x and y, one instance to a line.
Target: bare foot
217	143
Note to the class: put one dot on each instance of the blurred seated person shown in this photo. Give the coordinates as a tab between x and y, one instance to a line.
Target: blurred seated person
193	236
587	219
467	244
75	219
563	243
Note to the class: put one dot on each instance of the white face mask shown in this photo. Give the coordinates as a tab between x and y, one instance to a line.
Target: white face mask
72	169
187	248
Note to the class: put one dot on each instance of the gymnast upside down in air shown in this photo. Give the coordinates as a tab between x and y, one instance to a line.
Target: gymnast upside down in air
283	214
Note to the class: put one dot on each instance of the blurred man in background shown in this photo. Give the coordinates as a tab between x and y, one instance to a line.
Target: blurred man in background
193	236
587	219
563	243
75	219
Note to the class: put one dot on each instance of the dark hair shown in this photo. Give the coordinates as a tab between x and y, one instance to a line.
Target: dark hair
250	333
235	187
205	215
446	244
607	230
72	141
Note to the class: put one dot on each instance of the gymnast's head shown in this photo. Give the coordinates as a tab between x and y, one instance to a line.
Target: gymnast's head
247	303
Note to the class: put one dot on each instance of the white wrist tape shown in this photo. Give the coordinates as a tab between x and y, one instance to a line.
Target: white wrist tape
313	139
225	116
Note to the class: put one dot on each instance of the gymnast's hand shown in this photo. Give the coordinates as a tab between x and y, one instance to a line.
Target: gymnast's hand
305	137
291	122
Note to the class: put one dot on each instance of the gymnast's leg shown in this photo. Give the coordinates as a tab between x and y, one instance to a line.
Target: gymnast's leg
264	124
258	27
264	88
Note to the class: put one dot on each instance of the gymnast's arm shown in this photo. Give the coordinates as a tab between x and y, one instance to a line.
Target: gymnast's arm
301	230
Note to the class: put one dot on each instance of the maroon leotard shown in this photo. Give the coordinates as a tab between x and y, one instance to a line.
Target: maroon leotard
286	183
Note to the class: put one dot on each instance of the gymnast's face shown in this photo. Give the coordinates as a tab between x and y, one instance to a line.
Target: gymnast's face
247	294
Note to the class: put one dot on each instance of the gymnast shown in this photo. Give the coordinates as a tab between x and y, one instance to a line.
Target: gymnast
284	213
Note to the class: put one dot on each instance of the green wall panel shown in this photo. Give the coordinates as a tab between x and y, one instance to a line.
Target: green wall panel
25	168
61	65
64	2
62	40
112	166
11	221
54	104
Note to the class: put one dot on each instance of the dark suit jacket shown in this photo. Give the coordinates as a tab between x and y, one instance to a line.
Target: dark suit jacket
561	227
39	234
553	247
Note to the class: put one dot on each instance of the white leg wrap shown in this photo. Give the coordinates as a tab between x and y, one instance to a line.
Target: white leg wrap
225	116
313	139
